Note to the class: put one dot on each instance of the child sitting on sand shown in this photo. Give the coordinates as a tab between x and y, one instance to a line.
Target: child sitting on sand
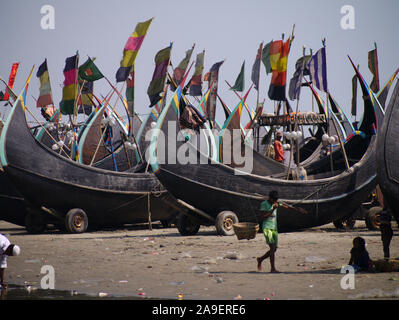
360	258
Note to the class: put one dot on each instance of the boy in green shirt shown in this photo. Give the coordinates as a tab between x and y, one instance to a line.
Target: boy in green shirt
269	227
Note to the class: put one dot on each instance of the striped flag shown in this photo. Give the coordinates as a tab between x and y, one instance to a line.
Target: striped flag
45	97
318	70
373	66
157	83
278	61
131	49
69	92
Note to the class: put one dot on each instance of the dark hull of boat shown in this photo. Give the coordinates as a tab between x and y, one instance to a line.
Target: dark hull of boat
12	203
214	187
388	154
46	179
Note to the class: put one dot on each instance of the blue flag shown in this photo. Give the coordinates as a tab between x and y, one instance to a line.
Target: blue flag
318	70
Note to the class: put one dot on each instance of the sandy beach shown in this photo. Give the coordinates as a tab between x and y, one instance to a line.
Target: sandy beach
134	262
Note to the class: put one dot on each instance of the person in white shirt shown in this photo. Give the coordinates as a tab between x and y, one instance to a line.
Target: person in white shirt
6	249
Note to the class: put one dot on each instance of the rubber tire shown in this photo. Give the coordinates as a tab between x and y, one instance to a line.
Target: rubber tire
76	221
186	225
34	223
224	223
371	218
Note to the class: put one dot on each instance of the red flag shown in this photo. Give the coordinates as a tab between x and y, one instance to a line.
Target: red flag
11	80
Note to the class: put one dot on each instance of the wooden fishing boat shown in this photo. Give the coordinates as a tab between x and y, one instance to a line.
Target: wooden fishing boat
12	204
74	193
387	154
227	195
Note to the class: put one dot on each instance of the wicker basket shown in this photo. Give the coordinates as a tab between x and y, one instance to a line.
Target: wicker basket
246	230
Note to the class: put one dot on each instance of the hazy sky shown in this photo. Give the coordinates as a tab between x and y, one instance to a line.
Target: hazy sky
226	29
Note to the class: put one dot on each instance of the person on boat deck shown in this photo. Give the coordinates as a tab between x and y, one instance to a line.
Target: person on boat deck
6	249
360	259
278	147
269	227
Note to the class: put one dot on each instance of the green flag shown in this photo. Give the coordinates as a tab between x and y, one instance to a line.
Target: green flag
266	57
239	84
89	71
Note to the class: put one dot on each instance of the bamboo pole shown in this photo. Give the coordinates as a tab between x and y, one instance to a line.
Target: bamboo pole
98	144
45	130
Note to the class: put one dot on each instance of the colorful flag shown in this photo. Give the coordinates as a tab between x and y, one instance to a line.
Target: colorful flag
157	83
196	81
373	66
69	92
45	97
86	97
239	84
180	70
318	70
294	88
256	68
25	91
131	49
278	61
89	71
213	85
266	57
11	81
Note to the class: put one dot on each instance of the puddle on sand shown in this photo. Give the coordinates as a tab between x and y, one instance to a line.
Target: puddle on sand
15	292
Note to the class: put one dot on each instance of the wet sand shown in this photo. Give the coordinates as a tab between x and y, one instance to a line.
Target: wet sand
134	262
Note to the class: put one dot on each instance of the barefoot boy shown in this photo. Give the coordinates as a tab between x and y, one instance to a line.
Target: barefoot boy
269	227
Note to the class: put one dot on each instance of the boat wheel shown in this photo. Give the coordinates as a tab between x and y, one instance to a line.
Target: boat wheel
76	221
224	223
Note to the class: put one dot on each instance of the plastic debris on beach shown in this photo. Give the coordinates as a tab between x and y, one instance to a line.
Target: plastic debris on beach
315	259
233	256
177	283
102	294
199	269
